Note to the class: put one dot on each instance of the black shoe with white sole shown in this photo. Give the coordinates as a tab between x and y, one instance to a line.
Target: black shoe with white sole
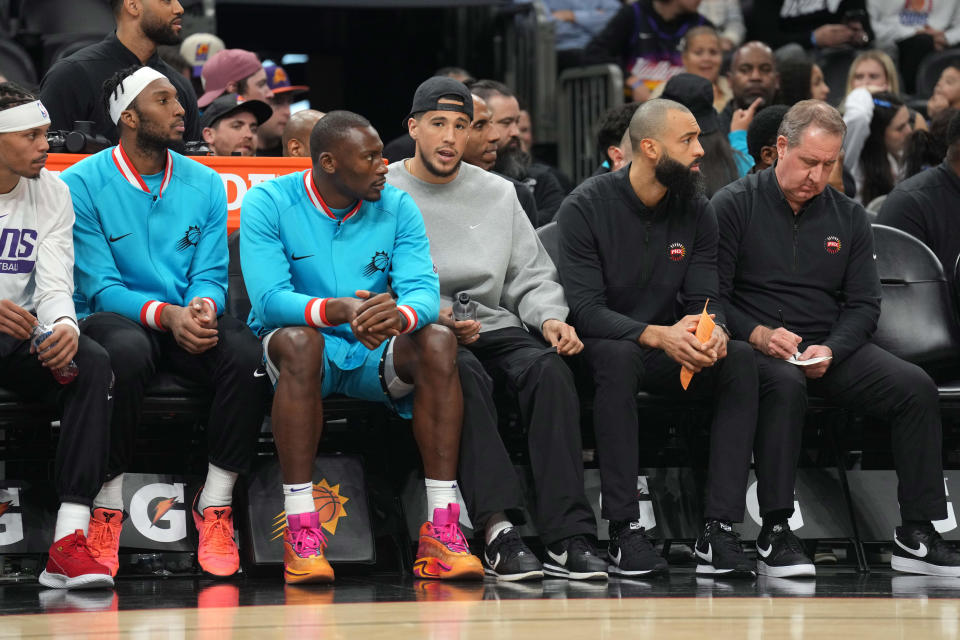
508	558
923	551
575	558
781	555
719	551
631	553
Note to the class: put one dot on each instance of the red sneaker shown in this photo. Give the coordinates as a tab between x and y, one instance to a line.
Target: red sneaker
72	565
104	538
217	551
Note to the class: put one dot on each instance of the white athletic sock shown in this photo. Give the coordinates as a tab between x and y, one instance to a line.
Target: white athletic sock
111	494
495	524
298	498
440	493
217	489
70	517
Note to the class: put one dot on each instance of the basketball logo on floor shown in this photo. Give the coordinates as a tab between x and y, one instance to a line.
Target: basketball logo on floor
329	505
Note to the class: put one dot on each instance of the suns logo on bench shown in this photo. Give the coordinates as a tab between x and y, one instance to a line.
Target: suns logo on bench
329	505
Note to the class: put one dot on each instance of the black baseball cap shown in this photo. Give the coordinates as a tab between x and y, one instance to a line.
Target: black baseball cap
695	93
229	104
430	91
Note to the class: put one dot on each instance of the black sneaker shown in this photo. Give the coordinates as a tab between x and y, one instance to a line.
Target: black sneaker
782	555
631	552
576	559
719	552
508	558
923	551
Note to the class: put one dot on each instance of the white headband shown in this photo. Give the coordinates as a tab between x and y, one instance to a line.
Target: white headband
129	89
24	117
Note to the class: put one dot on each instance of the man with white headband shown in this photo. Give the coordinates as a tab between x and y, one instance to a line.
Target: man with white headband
151	268
36	285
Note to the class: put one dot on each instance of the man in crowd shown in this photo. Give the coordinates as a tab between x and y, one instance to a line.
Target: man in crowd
270	133
296	134
230	125
197	49
611	134
343	240
762	136
234	71
753	74
791	250
923	205
36	285
483	245
151	269
71	89
632	245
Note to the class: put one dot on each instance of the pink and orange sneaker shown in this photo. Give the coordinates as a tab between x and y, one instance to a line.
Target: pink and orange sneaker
303	545
72	565
443	552
217	550
104	538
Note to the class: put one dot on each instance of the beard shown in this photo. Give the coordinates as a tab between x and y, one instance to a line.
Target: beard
514	162
159	32
440	173
679	179
151	141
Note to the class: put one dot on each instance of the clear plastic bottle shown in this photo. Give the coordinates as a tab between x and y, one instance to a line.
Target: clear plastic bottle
63	375
464	308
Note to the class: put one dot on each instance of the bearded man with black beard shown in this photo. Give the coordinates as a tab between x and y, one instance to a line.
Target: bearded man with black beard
633	244
71	90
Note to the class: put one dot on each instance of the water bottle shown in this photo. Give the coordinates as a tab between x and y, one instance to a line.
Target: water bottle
464	308
63	375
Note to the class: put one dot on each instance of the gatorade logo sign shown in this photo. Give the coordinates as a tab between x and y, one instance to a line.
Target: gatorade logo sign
158	512
11	519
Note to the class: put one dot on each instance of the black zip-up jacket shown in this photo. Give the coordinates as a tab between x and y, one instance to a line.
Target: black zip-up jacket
72	89
817	266
624	266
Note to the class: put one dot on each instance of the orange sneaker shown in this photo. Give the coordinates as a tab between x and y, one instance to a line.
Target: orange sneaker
104	537
303	545
217	550
443	552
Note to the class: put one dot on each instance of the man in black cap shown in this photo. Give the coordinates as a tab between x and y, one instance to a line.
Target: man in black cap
632	244
230	125
483	245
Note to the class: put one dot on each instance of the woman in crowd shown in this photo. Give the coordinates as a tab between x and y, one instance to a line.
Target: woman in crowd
878	124
703	56
925	148
801	79
874	68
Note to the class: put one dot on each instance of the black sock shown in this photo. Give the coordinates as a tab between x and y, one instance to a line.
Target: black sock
773	518
910	526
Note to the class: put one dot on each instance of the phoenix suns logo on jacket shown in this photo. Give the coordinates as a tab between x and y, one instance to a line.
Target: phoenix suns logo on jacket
676	251
379	262
832	244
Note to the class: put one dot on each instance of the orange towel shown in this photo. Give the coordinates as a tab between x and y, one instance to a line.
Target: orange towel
704	331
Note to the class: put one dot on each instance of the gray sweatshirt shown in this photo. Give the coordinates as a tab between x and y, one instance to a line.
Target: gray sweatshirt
482	243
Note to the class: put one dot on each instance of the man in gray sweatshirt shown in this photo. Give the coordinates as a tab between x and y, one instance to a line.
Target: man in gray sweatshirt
483	244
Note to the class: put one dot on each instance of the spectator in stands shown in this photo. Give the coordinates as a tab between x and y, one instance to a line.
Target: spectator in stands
873	68
483	244
925	148
230	125
925	205
525	125
36	285
635	247
800	291
457	73
946	94
914	30
512	160
801	79
141	199
762	136
481	151
71	89
703	56
197	49
727	17
719	165
644	39
753	74
296	135
611	132
270	133
575	23
327	329
812	25
877	128
234	71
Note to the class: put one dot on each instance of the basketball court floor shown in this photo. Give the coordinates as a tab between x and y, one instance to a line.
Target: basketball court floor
839	603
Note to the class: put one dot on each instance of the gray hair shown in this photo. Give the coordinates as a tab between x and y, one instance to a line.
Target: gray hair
807	113
649	120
